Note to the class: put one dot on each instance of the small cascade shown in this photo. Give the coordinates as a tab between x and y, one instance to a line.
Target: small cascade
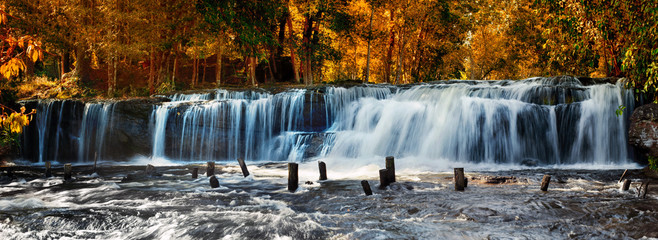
96	123
232	125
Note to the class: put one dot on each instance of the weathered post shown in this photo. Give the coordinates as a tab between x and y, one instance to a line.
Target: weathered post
623	175
210	169
293	178
465	182
544	182
627	184
390	167
323	170
214	183
195	172
67	171
49	172
366	187
383	179
243	166
459	179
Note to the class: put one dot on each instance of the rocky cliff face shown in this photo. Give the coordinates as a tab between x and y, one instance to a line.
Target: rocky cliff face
643	131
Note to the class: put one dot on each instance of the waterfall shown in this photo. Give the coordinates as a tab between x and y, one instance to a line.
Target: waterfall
229	125
544	121
486	122
96	121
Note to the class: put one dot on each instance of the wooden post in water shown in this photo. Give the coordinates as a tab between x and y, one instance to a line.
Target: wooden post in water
95	160
323	170
627	184
67	171
623	175
243	166
210	169
383	178
544	182
366	187
214	183
465	182
459	179
195	172
293	178
390	167
49	172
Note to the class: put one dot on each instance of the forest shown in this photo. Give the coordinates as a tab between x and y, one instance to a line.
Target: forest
122	48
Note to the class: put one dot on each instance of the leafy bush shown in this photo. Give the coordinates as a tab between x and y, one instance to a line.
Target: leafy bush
653	163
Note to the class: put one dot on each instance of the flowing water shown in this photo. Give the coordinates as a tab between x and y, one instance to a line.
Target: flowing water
522	128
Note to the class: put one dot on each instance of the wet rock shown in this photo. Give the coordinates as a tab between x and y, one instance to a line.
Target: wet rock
530	162
643	130
496	179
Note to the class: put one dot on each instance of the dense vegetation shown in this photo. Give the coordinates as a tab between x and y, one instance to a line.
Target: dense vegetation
121	47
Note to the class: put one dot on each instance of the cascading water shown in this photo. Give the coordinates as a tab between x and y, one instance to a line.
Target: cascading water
538	121
231	125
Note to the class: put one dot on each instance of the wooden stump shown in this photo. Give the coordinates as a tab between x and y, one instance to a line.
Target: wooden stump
323	170
195	172
68	169
390	167
210	169
623	175
544	182
366	187
293	178
383	179
49	172
460	183
214	183
465	182
243	166
627	184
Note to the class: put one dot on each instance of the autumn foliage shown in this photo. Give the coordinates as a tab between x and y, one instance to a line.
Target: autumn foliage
130	47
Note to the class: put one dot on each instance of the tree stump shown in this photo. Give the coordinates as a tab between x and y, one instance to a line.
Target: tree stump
49	172
243	166
366	187
383	179
210	169
195	172
68	169
323	170
460	183
627	184
293	178
214	183
390	167
544	182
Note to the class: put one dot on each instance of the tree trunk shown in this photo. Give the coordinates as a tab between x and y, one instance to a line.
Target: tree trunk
82	64
367	79
65	63
194	67
398	76
292	51
218	69
389	53
205	63
252	70
151	81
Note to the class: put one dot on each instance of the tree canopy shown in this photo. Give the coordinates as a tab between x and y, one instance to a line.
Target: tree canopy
122	46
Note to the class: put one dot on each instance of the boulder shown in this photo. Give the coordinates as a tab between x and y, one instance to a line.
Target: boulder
643	130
